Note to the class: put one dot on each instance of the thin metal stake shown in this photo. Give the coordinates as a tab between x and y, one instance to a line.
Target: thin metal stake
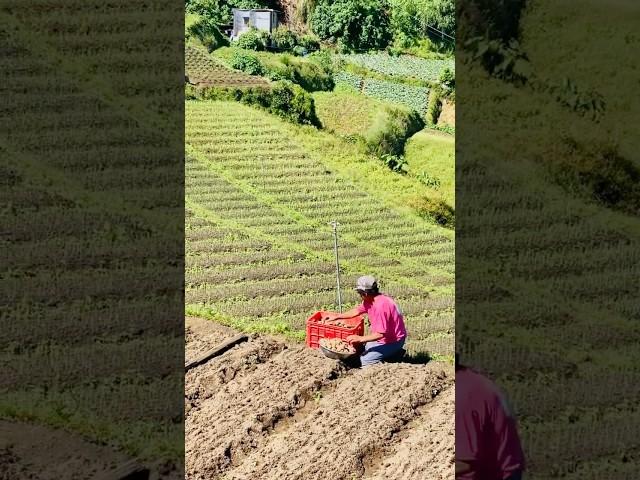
335	224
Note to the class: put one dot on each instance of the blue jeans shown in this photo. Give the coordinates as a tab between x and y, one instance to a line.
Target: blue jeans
375	352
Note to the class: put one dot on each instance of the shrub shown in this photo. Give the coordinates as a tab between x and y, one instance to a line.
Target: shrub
310	43
299	51
293	103
324	59
434	108
247	62
391	129
436	210
285	99
284	39
447	80
254	39
312	77
396	163
207	33
428	180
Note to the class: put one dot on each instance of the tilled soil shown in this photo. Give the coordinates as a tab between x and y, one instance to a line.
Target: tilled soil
204	381
201	335
427	450
265	410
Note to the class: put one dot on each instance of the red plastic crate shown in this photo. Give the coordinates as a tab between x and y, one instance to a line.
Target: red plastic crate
316	331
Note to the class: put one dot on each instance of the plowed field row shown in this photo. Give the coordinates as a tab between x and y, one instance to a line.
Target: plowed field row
265	410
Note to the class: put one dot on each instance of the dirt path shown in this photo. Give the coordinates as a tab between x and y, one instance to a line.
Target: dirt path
265	410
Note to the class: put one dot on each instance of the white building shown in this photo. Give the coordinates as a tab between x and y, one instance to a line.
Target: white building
262	19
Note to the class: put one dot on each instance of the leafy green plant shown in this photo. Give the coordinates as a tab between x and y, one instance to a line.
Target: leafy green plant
447	81
309	43
428	180
285	39
254	39
247	62
207	33
436	210
395	163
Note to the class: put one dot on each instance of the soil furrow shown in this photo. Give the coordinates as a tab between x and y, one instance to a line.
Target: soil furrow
204	381
361	416
200	335
240	414
424	450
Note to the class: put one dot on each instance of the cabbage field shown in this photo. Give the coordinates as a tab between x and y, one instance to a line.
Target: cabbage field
414	97
402	66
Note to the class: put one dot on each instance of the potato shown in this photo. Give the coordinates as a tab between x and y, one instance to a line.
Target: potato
337	345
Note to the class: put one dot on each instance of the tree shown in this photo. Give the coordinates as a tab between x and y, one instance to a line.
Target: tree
353	24
410	18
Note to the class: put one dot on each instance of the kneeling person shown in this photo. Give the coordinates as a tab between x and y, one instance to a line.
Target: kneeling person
388	332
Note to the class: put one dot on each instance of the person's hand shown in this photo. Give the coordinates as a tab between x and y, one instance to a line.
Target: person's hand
329	317
354	339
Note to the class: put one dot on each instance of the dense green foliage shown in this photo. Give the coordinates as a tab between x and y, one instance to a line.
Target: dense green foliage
409	19
434	109
391	129
219	11
284	99
353	25
254	39
415	98
247	63
207	33
285	39
311	73
436	210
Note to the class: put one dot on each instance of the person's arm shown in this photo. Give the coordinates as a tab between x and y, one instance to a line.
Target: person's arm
372	337
354	312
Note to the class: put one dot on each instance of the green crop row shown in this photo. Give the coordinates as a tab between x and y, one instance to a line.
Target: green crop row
412	96
401	66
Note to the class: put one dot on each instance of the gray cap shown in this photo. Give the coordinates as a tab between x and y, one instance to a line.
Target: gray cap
366	282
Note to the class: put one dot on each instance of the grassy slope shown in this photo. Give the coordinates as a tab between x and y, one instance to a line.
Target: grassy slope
346	113
434	153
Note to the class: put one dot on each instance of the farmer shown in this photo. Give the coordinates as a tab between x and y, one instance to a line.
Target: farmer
487	442
388	332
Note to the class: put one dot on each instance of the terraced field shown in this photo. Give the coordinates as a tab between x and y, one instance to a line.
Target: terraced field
204	70
259	247
266	410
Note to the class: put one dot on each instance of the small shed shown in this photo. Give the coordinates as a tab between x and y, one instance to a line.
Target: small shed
262	19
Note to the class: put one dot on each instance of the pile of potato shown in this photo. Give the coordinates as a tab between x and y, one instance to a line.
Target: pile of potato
336	345
337	323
